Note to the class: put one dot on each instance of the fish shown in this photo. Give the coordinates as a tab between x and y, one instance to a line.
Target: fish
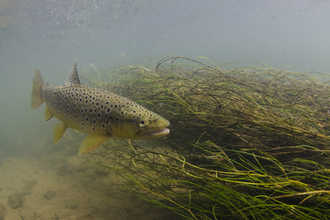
96	112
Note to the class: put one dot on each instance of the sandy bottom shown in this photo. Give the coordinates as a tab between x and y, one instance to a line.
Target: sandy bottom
52	182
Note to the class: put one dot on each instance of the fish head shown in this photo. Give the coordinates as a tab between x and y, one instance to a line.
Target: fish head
141	128
152	129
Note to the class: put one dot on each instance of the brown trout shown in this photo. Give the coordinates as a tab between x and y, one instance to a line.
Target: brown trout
98	113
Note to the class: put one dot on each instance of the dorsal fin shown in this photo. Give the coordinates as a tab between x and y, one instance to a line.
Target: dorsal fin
72	78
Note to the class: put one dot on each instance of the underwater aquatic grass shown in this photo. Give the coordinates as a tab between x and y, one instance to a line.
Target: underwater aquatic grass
246	142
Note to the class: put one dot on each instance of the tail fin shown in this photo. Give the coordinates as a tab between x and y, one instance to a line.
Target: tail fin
37	85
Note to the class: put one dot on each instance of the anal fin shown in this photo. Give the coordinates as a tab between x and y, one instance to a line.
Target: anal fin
92	141
59	130
48	114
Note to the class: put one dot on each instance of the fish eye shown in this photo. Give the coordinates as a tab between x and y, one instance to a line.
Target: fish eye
142	123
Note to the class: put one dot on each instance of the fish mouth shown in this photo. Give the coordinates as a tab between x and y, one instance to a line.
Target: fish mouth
158	133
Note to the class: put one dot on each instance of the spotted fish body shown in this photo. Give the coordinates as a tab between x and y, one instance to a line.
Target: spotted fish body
96	112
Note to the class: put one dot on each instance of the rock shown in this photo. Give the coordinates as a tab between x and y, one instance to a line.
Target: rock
64	170
101	172
3	212
49	194
72	206
29	186
16	200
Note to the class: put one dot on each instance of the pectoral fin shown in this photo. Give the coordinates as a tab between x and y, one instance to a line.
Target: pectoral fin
37	86
48	114
92	141
59	130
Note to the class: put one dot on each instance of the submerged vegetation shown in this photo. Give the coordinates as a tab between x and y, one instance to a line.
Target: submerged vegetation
246	142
